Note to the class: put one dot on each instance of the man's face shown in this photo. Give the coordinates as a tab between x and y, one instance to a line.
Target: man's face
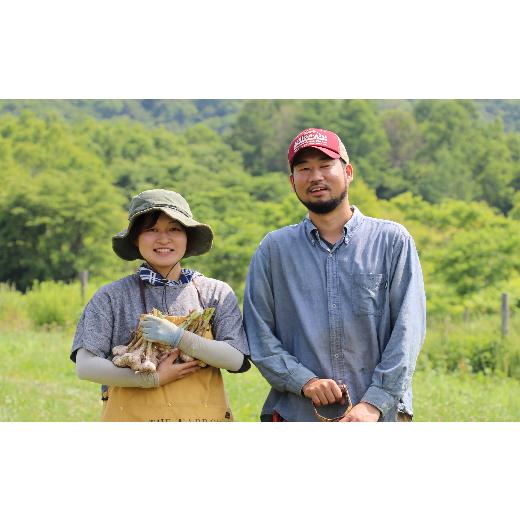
320	183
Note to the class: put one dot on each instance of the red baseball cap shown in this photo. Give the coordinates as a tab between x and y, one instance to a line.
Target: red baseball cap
324	140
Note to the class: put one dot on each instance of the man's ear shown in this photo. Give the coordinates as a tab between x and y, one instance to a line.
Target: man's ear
291	180
349	171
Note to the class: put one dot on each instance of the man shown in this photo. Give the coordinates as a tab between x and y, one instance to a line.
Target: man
337	299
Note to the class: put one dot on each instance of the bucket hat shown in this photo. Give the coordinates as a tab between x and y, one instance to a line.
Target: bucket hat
200	236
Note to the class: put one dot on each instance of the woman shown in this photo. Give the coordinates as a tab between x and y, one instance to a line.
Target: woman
162	232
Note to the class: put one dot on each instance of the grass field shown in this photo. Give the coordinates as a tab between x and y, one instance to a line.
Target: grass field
38	383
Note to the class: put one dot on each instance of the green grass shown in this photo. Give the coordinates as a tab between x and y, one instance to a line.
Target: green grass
465	397
247	393
38	383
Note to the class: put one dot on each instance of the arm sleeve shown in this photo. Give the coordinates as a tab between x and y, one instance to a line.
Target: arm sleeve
99	370
282	370
408	320
215	353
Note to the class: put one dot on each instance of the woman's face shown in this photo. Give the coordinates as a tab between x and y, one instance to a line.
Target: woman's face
163	244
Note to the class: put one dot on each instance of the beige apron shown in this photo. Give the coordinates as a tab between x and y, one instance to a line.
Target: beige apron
197	397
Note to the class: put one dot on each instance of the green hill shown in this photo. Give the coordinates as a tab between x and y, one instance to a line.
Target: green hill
441	168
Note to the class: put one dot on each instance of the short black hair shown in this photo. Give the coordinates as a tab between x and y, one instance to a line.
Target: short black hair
142	222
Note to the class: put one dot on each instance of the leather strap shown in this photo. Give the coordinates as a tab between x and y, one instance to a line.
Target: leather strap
141	290
344	391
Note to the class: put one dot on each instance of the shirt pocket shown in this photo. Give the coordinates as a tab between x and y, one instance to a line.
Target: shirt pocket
368	294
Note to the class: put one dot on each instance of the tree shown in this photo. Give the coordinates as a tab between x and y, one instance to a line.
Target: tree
252	133
57	225
58	208
476	260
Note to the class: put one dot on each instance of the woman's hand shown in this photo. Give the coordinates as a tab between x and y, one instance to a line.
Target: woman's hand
159	330
168	371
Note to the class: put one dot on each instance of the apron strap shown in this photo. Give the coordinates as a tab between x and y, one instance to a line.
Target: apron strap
141	290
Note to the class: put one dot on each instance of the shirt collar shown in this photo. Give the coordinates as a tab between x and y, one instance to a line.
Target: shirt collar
349	228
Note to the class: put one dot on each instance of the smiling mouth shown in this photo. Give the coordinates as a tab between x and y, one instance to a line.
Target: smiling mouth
163	250
317	190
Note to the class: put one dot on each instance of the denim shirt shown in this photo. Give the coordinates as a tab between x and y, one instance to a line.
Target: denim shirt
355	313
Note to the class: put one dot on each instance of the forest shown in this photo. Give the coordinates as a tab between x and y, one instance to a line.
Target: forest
443	168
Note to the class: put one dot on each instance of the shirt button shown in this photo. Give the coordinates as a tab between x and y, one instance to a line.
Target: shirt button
333	305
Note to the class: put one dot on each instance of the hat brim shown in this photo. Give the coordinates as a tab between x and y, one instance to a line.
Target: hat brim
326	151
200	236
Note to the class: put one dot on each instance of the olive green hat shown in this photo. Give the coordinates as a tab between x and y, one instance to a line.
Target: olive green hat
200	236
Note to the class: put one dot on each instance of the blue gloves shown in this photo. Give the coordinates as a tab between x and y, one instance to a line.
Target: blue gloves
160	330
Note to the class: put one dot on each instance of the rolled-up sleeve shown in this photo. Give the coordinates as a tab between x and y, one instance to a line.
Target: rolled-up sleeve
228	324
407	301
94	330
282	370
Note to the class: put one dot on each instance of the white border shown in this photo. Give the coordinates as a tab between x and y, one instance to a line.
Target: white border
303	49
242	470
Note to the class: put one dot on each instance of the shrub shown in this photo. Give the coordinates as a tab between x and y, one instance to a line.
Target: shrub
476	347
54	303
48	303
13	311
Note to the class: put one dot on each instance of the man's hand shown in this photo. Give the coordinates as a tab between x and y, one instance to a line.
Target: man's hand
168	371
322	391
362	412
160	330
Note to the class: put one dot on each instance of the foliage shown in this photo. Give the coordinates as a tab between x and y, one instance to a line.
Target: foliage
472	346
46	304
438	149
54	303
55	204
174	114
438	167
13	310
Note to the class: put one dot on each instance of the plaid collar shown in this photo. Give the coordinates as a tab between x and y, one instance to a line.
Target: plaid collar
147	274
